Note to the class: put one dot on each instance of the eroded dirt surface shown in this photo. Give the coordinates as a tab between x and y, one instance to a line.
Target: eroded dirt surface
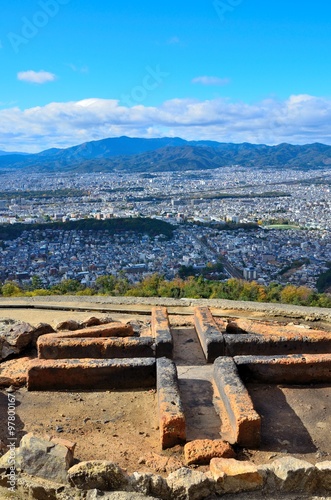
116	426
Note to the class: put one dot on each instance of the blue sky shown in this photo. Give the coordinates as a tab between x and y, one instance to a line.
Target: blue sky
227	70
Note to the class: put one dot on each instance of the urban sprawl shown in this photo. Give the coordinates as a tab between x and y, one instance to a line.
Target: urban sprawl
290	241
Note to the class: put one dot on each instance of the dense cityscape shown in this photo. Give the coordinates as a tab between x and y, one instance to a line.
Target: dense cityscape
267	225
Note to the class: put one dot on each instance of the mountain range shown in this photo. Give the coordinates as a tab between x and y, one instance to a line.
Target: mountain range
165	154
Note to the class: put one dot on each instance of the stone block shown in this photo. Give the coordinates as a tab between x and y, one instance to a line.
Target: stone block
15	371
91	374
233	476
187	484
114	329
244	420
253	344
291	369
41	458
99	474
64	442
15	336
171	414
246	337
210	337
289	474
201	451
323	471
267	329
150	484
161	332
52	347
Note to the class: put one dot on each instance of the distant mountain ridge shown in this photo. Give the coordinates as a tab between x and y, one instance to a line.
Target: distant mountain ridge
166	154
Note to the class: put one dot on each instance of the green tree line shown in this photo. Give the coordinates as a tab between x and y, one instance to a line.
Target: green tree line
140	225
190	287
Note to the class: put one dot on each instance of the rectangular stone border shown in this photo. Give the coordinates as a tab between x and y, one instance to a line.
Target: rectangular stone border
273	345
161	332
293	369
170	409
53	347
91	374
244	420
210	337
114	329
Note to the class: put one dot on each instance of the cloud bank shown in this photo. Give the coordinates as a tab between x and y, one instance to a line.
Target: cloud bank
39	77
300	119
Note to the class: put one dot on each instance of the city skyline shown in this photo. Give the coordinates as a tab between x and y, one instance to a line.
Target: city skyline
225	70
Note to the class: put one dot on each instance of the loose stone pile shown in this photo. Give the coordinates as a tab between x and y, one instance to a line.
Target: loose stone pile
50	462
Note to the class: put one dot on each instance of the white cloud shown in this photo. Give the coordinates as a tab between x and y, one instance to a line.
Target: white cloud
299	119
36	76
211	80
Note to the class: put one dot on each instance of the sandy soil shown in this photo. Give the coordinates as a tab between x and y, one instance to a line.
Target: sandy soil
116	426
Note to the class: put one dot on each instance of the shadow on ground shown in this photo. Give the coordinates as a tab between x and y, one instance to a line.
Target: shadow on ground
282	428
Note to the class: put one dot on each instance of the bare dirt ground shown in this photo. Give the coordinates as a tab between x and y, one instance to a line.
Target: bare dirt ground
119	426
296	420
116	426
123	426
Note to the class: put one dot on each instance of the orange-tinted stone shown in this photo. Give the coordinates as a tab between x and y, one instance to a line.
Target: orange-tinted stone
234	476
171	414
201	451
161	332
210	337
244	420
